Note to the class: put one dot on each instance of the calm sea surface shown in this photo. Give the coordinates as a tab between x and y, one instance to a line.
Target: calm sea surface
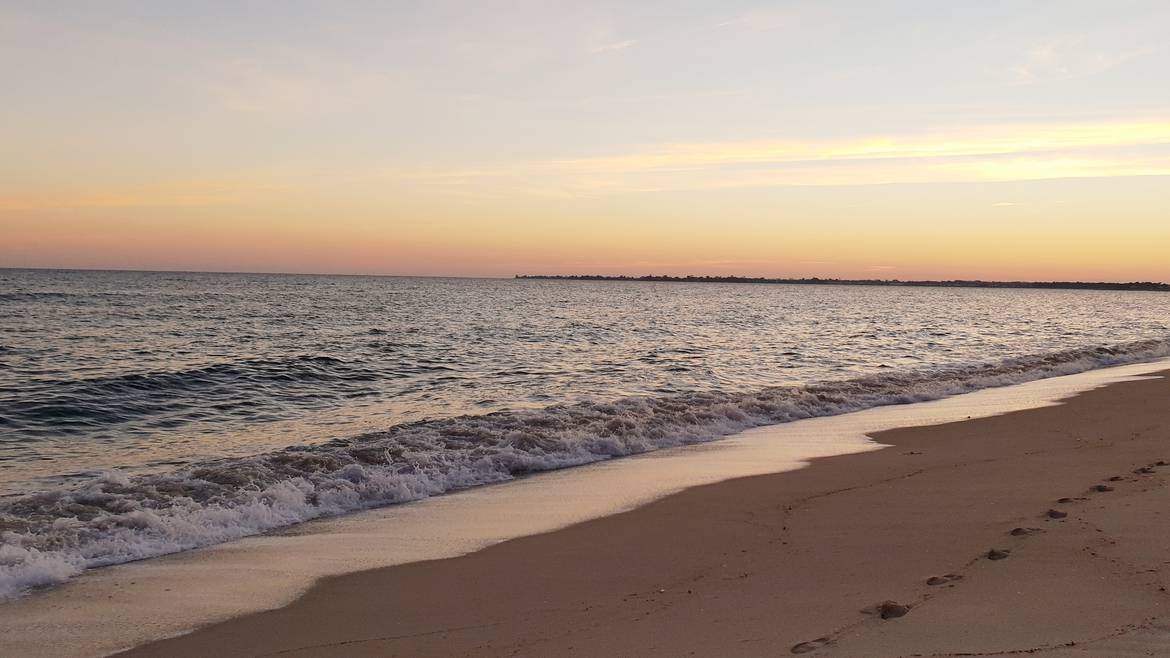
130	400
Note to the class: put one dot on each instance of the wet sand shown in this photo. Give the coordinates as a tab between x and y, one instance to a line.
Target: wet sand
802	562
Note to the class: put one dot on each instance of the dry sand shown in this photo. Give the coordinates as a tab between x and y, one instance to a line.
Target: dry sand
802	562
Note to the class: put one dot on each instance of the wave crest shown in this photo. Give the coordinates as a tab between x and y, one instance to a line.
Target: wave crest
184	396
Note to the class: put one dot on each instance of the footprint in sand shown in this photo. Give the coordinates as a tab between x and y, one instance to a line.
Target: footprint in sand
811	645
1101	488
892	610
998	553
887	609
1023	532
1055	514
943	580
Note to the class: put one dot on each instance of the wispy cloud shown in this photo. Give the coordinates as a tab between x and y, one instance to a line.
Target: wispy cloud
1070	57
614	46
980	142
766	20
990	153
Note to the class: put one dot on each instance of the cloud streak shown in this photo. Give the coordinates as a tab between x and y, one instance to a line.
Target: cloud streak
993	153
763	20
614	47
1067	58
979	154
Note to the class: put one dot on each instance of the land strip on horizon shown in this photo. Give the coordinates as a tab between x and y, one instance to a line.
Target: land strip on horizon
953	283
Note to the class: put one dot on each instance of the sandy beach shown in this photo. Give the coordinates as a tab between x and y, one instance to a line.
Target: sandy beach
1038	531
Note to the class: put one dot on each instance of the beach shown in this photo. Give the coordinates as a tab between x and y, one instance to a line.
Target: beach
550	329
801	562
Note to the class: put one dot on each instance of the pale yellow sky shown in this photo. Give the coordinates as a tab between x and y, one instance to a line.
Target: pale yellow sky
755	138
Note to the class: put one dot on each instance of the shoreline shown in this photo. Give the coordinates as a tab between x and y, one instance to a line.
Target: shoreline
783	562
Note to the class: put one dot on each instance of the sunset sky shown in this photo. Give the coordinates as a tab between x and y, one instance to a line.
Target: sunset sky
933	139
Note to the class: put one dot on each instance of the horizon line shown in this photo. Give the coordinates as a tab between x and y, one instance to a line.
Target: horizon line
129	270
728	278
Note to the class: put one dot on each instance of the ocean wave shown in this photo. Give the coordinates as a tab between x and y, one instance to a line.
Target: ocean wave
51	536
102	296
242	388
35	296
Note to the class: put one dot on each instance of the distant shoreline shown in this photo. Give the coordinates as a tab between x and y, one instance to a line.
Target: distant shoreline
956	283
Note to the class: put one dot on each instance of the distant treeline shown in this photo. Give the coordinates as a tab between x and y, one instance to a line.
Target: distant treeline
957	283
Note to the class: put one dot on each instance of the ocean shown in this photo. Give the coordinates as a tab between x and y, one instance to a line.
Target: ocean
149	413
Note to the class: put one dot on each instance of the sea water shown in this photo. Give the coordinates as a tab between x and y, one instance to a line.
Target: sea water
149	413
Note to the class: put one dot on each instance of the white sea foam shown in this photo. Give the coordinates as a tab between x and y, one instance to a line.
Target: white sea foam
51	536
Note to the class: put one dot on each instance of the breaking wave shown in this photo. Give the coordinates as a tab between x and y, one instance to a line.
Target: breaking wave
51	536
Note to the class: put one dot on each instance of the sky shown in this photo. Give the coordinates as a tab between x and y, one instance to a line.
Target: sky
873	139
